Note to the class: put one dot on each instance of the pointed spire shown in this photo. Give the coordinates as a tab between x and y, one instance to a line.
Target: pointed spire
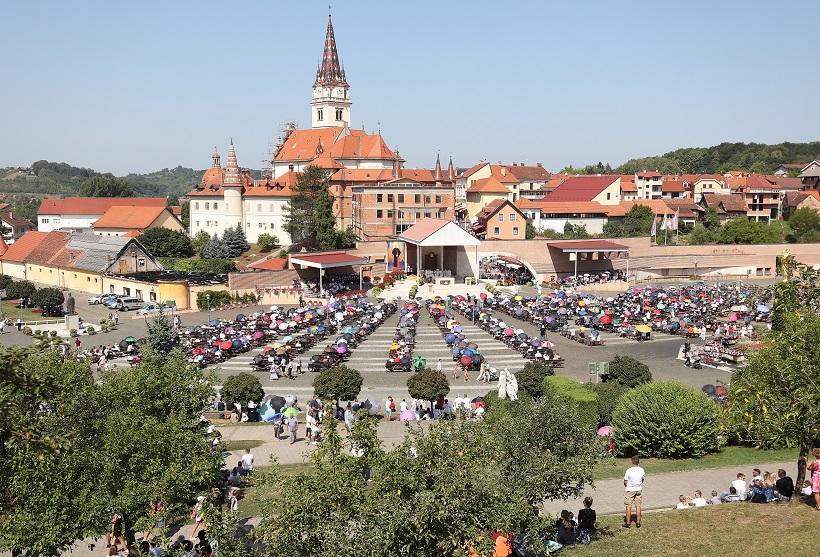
439	174
231	169
451	172
215	159
330	72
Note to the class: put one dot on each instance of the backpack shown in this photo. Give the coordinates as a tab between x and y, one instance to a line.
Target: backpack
392	405
582	536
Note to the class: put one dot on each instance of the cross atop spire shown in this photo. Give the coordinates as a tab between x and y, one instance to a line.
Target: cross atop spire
330	71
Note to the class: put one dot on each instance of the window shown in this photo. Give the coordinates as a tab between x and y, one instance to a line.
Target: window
270	208
427	198
390	213
500	217
379	214
320	115
379	198
111	289
418	215
45	221
512	217
247	224
338	114
216	205
390	198
197	224
258	207
260	225
401	198
207	205
138	294
87	279
248	207
438	199
141	262
607	195
272	225
126	291
401	214
196	205
418	198
515	231
496	231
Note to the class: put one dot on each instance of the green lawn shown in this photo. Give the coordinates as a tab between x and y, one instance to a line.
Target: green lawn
12	309
731	530
729	456
239	445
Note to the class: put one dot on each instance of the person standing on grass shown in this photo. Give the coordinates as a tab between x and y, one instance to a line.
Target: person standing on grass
633	485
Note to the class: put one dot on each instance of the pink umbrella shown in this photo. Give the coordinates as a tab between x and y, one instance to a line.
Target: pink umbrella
605	430
407	416
733	317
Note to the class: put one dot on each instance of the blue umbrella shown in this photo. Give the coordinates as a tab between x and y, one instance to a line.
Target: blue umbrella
450	337
214	322
763	309
237	343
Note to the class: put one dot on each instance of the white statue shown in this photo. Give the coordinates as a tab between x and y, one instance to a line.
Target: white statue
512	386
502	384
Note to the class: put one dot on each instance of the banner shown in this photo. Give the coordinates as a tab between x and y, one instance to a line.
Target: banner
395	257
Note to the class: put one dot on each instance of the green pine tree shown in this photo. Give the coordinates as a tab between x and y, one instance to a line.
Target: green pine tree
326	233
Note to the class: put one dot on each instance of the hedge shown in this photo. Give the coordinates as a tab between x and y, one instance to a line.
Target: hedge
213	266
576	393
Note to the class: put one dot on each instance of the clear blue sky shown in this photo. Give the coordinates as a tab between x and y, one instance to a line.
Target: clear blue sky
138	86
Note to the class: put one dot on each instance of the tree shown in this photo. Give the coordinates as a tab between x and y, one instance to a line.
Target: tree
5	280
628	371
531	232
338	383
637	221
162	337
20	289
126	439
47	298
164	242
745	231
185	214
325	223
613	229
700	235
242	387
531	378
428	384
666	419
215	249
105	185
300	212
775	400
710	219
235	242
803	222
200	240
267	242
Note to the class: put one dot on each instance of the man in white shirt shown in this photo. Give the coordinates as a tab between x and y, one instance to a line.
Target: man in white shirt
699	501
403	405
247	462
633	485
740	485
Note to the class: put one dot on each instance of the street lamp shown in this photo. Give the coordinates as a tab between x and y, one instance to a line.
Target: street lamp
718	282
695	261
208	297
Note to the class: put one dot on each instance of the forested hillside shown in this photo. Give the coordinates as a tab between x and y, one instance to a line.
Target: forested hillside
751	157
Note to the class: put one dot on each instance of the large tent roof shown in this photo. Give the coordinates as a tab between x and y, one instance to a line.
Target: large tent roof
438	232
581	246
328	260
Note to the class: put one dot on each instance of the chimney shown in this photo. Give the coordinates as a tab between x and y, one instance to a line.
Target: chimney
538	164
503	171
290	167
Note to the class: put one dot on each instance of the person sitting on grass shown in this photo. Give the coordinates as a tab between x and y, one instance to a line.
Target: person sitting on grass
587	517
732	496
784	486
685	502
699	501
565	529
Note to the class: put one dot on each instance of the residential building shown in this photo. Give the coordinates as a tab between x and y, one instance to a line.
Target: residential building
763	198
531	179
15	225
705	183
605	190
555	215
77	214
483	192
649	185
133	221
728	207
793	201
810	176
501	220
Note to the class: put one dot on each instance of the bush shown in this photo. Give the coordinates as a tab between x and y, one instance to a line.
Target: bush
531	378
413	291
574	393
27	330
428	384
628	371
52	334
212	266
73	332
242	388
338	383
376	291
90	330
491	401
609	394
666	419
218	299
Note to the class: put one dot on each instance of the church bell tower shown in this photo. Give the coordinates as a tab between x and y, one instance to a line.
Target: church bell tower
330	104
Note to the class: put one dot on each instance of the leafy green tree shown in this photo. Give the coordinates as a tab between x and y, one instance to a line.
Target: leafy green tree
710	219
628	371
338	383
105	185
666	419
345	238
20	289
185	214
428	384
804	221
5	280
267	242
300	212
613	229
242	387
637	221
49	299
531	232
700	235
162	337
745	231
164	242
200	240
609	394
531	378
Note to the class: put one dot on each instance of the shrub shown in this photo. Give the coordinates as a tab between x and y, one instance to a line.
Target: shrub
531	378
573	393
376	291
666	419
212	266
491	401
242	387
27	331
90	330
73	332
413	291
52	334
428	384
628	371
338	383
608	396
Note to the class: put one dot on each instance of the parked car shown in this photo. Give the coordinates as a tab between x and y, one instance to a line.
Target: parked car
123	303
154	307
101	298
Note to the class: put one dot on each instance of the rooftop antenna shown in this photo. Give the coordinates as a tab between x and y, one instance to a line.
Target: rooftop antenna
379	124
